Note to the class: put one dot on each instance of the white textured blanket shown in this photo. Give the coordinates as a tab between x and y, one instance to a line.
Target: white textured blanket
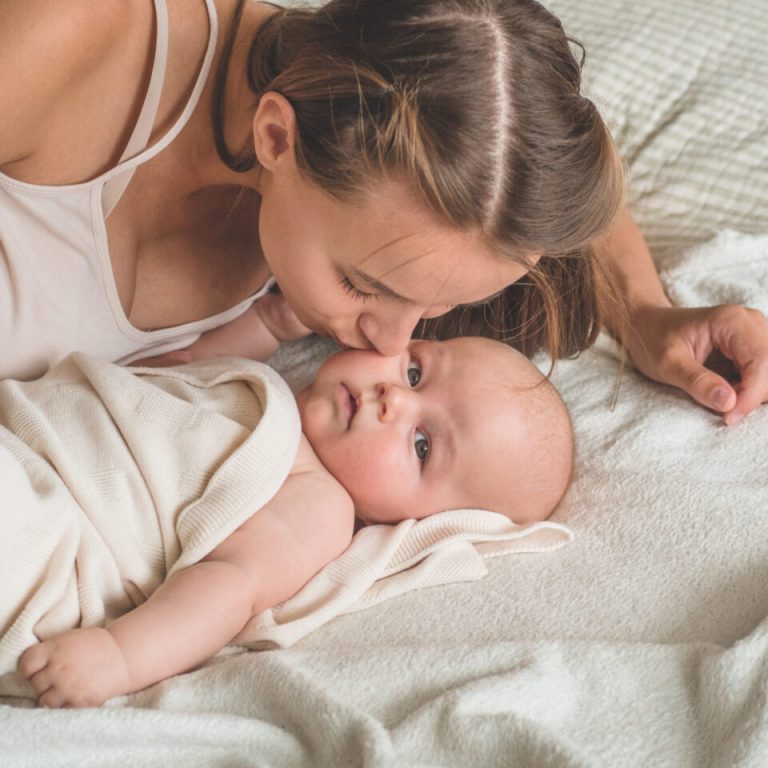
643	642
640	643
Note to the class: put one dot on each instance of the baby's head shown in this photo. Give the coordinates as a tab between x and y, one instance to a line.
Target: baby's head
467	422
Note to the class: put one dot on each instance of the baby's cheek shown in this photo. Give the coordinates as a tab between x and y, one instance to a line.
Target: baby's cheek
375	476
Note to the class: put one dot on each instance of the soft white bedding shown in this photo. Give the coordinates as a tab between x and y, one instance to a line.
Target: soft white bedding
644	642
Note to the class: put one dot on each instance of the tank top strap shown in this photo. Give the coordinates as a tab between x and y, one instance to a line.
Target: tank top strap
136	151
114	188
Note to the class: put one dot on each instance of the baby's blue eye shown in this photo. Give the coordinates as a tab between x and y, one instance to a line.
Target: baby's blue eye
421	445
414	373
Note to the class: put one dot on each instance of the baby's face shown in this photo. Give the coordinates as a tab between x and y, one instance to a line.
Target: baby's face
437	427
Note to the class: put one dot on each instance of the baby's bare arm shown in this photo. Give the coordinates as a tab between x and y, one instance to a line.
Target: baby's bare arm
256	334
188	619
198	610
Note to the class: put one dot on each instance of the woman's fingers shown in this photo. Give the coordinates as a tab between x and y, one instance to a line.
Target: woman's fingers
741	335
673	344
703	385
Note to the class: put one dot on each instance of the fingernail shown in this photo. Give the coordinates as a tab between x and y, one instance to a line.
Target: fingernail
733	418
719	398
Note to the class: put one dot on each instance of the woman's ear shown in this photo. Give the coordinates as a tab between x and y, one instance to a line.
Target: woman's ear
274	130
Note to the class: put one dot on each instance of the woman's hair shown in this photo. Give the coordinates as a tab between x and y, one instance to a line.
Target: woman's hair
475	104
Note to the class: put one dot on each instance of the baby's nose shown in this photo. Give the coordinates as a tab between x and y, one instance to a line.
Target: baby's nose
393	400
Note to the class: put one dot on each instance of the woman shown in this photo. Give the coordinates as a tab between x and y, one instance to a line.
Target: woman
383	161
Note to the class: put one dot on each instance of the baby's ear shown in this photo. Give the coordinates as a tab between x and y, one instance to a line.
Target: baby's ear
274	131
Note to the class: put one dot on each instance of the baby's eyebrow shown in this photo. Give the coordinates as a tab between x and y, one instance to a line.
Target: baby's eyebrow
438	364
443	442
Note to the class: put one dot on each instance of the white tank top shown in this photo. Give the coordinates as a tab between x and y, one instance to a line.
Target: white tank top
57	288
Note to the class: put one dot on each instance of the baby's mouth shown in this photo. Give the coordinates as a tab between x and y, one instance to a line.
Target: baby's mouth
351	406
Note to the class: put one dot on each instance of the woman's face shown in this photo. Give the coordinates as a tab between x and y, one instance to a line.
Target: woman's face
365	273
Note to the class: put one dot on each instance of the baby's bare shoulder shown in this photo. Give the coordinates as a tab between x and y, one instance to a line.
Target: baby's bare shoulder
306	524
327	493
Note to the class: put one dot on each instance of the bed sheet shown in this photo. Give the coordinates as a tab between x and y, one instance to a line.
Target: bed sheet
642	642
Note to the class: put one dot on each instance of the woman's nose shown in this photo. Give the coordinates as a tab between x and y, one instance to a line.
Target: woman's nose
390	333
393	401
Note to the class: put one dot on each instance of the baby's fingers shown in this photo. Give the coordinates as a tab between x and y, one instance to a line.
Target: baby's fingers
52	698
33	664
33	660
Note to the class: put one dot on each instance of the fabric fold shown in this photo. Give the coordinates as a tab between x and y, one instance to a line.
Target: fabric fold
384	561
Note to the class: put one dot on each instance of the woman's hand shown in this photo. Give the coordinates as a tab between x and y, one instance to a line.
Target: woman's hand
673	345
79	668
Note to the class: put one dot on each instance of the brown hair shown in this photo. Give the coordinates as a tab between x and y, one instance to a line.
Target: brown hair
477	105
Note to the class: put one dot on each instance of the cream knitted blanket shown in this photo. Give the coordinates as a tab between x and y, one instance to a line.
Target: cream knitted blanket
111	481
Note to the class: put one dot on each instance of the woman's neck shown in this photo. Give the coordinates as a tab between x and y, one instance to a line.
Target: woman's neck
205	168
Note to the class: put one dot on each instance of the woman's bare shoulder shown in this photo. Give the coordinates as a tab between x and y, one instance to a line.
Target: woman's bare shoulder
47	47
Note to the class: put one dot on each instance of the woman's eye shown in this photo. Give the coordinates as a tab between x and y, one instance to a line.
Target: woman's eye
421	445
414	373
354	291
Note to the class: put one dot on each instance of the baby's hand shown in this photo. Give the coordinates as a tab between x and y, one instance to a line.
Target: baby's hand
279	318
79	668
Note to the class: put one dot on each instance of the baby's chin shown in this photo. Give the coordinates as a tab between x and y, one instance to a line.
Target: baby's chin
372	513
308	424
301	402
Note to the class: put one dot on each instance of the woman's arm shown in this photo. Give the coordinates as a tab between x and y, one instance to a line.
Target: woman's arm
198	610
629	258
673	344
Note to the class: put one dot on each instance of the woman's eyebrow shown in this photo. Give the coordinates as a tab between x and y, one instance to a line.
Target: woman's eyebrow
486	300
377	285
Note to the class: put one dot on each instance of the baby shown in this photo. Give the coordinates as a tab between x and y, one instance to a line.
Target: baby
462	423
467	422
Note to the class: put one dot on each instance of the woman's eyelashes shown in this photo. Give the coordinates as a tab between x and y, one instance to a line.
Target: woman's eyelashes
354	291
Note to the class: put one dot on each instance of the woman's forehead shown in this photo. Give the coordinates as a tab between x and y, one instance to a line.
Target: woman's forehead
398	242
445	271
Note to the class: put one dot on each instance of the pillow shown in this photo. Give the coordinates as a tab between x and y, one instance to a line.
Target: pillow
684	88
